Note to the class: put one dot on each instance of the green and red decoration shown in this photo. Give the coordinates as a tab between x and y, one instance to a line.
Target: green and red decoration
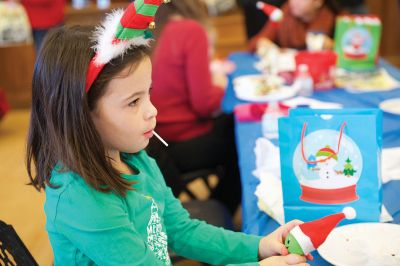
307	237
120	31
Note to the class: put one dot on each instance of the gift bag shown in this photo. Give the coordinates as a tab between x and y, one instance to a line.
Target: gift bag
357	41
330	159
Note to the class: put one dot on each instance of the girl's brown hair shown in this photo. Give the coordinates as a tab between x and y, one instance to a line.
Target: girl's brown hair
193	9
61	130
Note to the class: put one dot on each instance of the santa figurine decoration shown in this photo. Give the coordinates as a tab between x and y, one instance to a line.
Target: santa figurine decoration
274	13
308	236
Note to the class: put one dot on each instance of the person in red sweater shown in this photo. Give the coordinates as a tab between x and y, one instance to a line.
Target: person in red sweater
188	102
43	15
299	17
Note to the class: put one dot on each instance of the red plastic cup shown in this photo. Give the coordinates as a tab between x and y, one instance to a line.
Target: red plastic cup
321	66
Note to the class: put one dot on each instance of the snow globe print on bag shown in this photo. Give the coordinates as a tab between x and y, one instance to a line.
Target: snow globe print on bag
331	159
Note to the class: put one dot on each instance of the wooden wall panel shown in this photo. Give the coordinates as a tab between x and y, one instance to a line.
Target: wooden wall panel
389	12
16	68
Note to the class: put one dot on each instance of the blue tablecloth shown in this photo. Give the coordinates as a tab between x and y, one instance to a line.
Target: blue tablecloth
259	223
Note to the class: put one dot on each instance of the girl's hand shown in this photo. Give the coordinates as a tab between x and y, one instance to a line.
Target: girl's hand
291	259
273	244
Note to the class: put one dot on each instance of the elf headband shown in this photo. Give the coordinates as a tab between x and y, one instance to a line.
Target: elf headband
120	31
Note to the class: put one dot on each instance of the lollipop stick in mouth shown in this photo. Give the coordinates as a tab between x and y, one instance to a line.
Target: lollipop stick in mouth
160	138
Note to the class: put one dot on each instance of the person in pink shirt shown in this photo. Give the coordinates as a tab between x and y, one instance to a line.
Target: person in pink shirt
188	101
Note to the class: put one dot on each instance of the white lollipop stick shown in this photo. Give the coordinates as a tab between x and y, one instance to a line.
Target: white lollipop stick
158	136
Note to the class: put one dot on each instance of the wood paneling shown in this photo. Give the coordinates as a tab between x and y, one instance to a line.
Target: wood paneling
389	12
16	68
230	33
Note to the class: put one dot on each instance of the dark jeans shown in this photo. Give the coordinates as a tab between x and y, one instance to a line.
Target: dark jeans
216	148
38	36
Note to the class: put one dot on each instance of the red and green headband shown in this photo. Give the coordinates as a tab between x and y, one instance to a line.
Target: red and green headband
120	31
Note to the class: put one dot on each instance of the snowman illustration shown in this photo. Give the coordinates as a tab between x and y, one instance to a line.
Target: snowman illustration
326	175
326	162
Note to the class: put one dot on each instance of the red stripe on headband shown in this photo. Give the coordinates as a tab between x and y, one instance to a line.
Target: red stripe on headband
129	14
92	73
153	2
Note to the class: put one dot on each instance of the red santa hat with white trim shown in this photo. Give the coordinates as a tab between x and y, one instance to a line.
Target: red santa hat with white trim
311	235
120	31
275	14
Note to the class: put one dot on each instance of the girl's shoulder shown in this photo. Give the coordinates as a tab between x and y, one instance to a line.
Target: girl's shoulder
71	194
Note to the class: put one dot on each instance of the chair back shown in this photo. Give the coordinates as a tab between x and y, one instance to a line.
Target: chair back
13	252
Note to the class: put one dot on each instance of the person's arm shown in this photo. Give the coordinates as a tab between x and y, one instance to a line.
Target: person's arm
204	97
269	32
100	228
200	241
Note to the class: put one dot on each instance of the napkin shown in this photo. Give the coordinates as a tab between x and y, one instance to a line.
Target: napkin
269	191
390	164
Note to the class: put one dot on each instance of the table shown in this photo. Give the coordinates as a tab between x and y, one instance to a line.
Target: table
256	221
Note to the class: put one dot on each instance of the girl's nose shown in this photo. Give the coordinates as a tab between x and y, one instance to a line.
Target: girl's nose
151	112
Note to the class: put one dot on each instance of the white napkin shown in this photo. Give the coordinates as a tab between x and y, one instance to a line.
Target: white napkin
269	191
390	164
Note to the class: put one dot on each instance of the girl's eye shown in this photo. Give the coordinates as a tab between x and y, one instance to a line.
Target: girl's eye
134	102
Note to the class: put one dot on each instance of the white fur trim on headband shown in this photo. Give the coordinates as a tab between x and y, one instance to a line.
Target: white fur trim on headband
104	36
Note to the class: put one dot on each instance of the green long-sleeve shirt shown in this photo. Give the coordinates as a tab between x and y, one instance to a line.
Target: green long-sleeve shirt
88	227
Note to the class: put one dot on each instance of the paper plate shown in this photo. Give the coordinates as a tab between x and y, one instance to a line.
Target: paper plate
363	244
246	89
391	106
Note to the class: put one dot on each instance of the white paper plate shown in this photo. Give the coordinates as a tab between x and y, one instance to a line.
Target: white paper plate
245	89
363	244
391	106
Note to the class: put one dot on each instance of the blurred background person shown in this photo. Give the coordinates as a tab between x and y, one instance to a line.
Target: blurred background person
299	18
254	18
188	98
43	15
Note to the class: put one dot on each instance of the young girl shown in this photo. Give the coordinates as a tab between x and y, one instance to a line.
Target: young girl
106	200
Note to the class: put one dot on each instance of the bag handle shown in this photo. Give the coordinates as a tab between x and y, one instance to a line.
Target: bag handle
327	158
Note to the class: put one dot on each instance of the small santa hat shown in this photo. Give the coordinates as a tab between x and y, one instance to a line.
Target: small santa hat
274	13
120	31
312	234
327	152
